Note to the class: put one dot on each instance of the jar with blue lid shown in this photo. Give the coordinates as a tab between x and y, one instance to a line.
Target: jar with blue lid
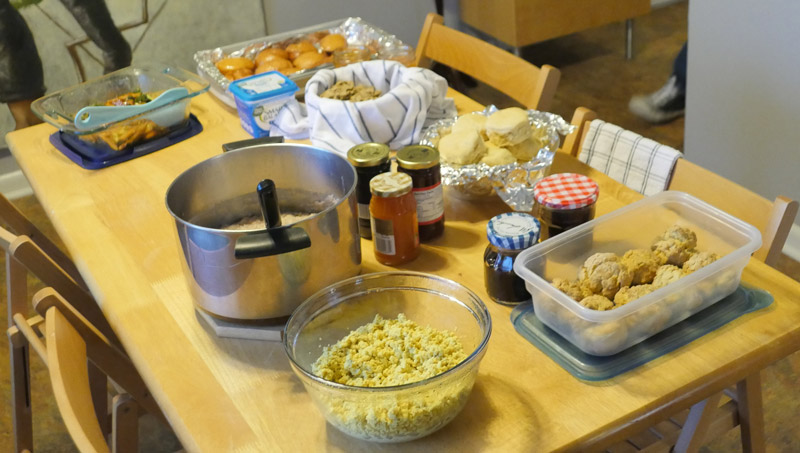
508	234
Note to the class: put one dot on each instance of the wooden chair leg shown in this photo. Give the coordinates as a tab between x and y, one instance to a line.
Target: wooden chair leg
21	419
125	424
98	383
694	431
751	413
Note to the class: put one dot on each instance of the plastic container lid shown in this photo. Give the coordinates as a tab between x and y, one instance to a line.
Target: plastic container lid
262	86
513	230
566	191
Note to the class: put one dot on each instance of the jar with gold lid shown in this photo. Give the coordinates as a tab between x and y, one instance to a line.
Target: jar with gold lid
422	164
395	237
369	159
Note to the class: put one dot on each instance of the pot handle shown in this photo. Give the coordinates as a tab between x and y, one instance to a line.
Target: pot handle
233	146
274	241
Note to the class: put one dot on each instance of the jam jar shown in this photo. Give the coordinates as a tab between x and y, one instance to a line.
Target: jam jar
508	234
395	237
564	201
422	164
370	160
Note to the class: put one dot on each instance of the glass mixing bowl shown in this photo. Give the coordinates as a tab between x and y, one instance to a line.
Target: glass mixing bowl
403	412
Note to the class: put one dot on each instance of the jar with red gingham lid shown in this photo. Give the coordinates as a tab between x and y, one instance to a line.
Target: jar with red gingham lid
564	201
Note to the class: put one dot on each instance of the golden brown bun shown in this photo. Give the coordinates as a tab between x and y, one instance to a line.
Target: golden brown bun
287	71
234	63
309	60
270	53
299	48
241	73
332	43
274	64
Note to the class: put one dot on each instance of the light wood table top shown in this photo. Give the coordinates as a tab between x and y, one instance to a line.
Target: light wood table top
239	395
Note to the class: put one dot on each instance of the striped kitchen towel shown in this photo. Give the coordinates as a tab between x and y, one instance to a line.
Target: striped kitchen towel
412	99
642	164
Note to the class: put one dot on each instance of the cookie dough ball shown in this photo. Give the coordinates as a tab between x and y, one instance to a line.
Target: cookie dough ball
681	234
508	127
462	148
571	288
667	274
471	122
699	260
672	251
597	302
650	320
629	293
606	338
643	265
496	155
526	150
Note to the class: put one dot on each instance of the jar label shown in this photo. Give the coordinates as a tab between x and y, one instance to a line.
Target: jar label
430	204
383	236
364	227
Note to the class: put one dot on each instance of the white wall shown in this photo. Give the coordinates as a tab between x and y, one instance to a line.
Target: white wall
743	99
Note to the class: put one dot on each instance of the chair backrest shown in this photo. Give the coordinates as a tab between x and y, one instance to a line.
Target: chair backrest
772	218
526	83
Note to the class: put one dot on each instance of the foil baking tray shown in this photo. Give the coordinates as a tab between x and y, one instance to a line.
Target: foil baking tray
513	183
355	30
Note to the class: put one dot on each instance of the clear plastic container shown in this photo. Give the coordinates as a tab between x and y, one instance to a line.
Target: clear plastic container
119	137
636	226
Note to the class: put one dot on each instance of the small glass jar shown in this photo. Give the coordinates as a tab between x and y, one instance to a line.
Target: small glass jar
350	54
508	234
564	201
370	160
404	54
395	237
422	164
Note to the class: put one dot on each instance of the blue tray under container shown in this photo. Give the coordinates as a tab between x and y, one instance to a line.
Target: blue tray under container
78	152
595	368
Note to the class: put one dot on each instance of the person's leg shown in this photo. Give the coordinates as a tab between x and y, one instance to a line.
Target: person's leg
21	74
96	22
669	101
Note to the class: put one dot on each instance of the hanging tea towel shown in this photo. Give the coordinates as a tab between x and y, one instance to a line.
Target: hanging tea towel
640	163
412	99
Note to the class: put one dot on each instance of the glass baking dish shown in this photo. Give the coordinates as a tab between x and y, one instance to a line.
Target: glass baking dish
117	138
605	333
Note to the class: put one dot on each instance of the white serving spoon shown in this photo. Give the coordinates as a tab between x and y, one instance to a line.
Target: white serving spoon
91	117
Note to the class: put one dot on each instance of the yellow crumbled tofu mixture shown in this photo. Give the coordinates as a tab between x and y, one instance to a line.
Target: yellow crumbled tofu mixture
389	352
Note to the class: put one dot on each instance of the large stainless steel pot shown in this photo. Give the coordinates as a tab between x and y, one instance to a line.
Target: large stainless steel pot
259	274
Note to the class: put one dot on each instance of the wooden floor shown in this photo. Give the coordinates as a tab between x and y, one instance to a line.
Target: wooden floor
595	74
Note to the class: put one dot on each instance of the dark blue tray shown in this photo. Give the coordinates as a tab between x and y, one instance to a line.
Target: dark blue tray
81	153
596	368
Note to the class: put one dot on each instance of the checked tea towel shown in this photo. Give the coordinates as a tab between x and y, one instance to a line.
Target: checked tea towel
640	163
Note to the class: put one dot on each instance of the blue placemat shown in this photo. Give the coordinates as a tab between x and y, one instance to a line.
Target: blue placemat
596	368
80	152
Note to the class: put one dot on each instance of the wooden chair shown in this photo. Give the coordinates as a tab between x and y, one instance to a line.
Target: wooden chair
529	85
24	256
70	343
742	405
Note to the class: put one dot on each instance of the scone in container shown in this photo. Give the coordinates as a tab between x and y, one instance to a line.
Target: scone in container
634	226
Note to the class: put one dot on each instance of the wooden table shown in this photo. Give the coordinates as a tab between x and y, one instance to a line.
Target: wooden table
238	395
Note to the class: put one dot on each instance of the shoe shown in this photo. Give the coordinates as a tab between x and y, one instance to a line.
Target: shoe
664	105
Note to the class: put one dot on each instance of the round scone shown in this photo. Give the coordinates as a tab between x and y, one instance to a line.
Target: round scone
667	274
672	251
571	288
527	150
698	260
597	302
508	127
643	265
471	121
629	293
607	278
461	148
496	155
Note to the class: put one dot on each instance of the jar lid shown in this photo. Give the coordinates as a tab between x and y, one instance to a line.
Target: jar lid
417	157
513	230
368	154
566	191
388	185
